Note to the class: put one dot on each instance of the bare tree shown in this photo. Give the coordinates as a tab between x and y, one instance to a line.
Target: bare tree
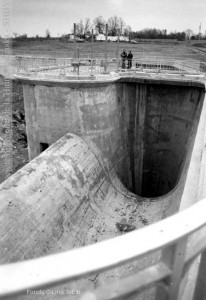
80	29
127	30
189	33
48	34
87	26
113	25
99	24
122	25
15	34
116	24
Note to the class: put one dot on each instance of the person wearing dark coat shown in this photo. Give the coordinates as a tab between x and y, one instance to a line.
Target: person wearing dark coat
123	57
129	57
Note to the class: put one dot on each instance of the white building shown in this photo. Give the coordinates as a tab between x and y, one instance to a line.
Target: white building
101	37
112	38
124	39
71	37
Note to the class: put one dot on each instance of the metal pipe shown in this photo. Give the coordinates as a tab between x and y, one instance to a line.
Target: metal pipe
105	53
78	61
117	54
75	44
92	41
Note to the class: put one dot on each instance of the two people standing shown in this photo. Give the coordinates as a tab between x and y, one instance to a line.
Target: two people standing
128	57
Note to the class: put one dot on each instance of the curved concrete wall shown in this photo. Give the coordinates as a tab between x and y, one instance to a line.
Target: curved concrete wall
71	195
53	202
143	128
65	198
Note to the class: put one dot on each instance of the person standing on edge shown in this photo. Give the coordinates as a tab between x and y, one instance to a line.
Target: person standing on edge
129	57
123	57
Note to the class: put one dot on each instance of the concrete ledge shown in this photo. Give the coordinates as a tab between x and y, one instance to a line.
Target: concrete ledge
98	80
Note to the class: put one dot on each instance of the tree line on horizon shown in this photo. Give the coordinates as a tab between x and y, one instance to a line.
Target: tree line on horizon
117	25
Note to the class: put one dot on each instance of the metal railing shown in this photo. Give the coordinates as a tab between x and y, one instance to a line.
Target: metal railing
180	238
88	66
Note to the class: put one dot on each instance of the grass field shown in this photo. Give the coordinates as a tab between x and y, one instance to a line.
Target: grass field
190	50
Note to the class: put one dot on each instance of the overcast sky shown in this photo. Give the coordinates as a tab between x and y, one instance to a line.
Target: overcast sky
35	16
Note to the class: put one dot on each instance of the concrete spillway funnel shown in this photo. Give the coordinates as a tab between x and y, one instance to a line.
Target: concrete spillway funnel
130	143
144	128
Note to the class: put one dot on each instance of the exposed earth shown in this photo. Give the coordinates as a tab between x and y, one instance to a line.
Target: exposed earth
20	150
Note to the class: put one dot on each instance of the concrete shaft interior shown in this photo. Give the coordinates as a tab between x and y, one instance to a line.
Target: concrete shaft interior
142	128
155	125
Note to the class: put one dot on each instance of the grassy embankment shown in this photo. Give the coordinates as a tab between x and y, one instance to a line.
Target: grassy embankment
190	50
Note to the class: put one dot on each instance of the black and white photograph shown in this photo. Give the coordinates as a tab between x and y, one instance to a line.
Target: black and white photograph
103	150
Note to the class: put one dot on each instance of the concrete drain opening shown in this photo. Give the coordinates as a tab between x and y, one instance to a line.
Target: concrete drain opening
159	122
144	128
